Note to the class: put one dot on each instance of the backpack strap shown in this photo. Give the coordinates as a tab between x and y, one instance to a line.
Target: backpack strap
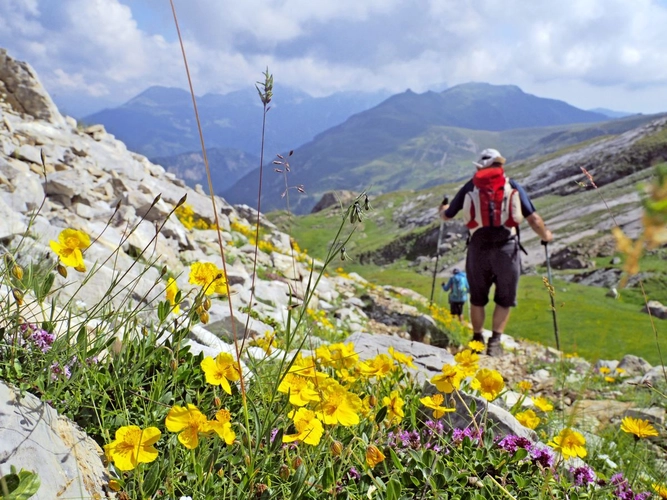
518	240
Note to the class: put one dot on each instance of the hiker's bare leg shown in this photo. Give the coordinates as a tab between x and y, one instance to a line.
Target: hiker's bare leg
477	318
500	317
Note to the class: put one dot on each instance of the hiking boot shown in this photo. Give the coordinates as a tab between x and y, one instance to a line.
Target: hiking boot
494	347
478	337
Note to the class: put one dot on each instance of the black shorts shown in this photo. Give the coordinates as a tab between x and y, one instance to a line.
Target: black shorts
489	263
456	308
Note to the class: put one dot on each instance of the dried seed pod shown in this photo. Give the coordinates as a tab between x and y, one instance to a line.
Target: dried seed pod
18	296
336	448
62	270
283	472
204	317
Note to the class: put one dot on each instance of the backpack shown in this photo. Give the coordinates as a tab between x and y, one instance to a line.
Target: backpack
493	202
459	290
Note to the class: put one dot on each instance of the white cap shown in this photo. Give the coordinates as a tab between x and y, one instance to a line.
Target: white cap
488	157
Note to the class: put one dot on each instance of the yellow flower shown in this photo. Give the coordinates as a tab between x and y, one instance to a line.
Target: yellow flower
401	358
338	406
632	250
306	367
338	355
660	489
374	456
640	428
611	380
394	404
569	443
267	342
189	423
378	367
132	446
489	383
449	380
543	404
222	426
308	428
301	390
209	277
171	291
525	386
604	370
435	403
620	371
476	345
468	362
528	419
345	376
69	248
221	370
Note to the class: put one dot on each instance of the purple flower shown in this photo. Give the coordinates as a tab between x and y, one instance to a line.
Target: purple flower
58	371
582	475
511	443
274	433
542	455
353	473
42	339
459	434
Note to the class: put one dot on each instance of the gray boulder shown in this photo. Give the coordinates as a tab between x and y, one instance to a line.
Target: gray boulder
35	438
656	309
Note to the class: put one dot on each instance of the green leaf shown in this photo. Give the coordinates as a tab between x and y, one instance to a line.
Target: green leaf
327	477
381	414
393	489
46	287
82	340
396	460
20	486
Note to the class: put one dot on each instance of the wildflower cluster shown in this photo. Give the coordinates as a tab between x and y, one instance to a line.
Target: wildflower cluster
190	220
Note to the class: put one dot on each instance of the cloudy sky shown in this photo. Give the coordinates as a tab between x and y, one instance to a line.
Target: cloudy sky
591	53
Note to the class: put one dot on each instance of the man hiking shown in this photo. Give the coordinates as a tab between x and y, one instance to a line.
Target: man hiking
457	286
493	207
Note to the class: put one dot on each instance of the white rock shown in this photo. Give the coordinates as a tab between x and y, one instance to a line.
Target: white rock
34	437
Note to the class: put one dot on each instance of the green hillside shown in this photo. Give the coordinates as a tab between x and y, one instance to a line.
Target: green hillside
418	140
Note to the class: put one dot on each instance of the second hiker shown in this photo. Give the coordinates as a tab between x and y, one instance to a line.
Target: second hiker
457	286
493	207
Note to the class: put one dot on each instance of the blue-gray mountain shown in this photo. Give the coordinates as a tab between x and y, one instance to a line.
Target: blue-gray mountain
227	166
414	141
160	121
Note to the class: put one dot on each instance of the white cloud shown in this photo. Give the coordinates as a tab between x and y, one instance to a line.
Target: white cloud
109	47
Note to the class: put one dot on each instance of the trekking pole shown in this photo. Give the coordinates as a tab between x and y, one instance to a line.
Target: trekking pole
551	294
445	201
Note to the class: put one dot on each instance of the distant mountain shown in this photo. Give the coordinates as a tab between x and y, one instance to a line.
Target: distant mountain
415	140
227	166
611	113
160	121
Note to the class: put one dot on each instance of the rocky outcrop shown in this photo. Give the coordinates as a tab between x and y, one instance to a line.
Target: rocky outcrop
21	89
606	160
332	199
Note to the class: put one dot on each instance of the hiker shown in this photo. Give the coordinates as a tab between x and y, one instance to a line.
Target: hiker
493	207
457	286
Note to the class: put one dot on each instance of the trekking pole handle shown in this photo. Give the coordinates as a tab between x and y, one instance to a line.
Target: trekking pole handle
544	243
445	201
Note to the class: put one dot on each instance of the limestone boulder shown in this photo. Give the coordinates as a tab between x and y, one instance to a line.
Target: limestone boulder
23	91
34	437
